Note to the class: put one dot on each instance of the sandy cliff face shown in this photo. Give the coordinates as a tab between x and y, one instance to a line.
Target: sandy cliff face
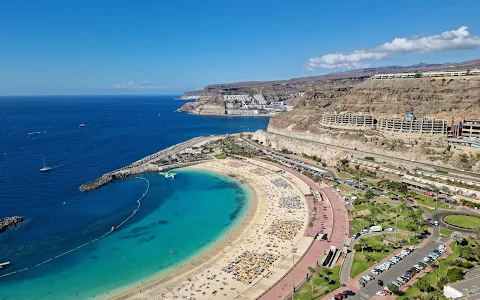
205	105
447	98
416	149
457	97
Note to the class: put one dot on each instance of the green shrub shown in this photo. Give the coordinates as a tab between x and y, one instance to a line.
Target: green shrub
467	265
454	274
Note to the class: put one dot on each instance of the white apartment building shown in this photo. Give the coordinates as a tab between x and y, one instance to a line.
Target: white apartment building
444	74
260	99
396	75
347	119
245	98
472	72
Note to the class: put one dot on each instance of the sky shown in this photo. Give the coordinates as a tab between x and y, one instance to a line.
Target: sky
166	47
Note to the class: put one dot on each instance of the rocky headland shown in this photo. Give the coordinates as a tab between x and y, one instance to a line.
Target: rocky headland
9	222
354	90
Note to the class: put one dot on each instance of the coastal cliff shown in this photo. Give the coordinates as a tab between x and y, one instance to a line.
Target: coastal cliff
205	105
332	144
9	222
355	91
457	97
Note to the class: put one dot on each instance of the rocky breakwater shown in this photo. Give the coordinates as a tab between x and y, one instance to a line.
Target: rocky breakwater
8	222
153	163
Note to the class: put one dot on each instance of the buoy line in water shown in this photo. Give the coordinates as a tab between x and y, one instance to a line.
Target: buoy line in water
92	241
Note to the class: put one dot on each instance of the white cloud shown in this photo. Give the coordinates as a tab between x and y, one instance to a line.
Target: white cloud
134	85
344	61
448	40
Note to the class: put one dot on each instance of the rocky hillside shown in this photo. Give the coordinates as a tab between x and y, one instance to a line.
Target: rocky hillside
354	90
447	98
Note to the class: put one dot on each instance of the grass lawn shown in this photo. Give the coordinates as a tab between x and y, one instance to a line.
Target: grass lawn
343	174
359	224
427	210
220	156
360	264
360	207
320	285
445	232
463	221
371	183
429	201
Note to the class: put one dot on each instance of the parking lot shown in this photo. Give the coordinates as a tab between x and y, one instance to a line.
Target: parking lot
399	269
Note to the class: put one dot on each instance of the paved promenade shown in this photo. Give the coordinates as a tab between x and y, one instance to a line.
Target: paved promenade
332	219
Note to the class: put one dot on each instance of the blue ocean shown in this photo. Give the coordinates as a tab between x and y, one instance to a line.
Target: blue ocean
185	214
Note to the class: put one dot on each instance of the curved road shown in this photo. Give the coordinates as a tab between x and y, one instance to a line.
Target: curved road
438	216
347	264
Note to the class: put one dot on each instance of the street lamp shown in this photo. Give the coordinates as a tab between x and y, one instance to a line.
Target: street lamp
293	272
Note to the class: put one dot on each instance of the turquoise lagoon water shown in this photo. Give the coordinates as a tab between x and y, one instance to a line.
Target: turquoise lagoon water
186	214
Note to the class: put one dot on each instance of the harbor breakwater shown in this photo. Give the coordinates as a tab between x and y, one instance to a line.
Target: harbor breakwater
8	222
163	160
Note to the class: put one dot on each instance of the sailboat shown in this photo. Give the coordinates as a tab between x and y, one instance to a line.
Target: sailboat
45	168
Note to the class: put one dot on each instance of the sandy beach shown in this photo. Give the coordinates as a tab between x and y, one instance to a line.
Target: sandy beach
254	254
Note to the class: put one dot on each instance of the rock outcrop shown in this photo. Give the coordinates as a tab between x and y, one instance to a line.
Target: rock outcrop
9	222
205	105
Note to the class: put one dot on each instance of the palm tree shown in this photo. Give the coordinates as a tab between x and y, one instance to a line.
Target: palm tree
362	243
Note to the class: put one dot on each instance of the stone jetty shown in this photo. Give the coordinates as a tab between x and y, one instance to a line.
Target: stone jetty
163	160
8	222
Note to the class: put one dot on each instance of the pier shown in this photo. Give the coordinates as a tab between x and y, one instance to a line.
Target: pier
164	160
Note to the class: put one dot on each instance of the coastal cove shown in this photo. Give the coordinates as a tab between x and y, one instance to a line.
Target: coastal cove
59	217
168	220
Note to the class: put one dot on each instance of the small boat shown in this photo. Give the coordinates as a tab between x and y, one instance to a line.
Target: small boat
171	251
4	264
82	125
113	228
45	168
168	174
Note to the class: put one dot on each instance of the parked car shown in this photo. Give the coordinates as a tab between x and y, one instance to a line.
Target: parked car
380	293
368	277
348	293
380	282
398	284
375	271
